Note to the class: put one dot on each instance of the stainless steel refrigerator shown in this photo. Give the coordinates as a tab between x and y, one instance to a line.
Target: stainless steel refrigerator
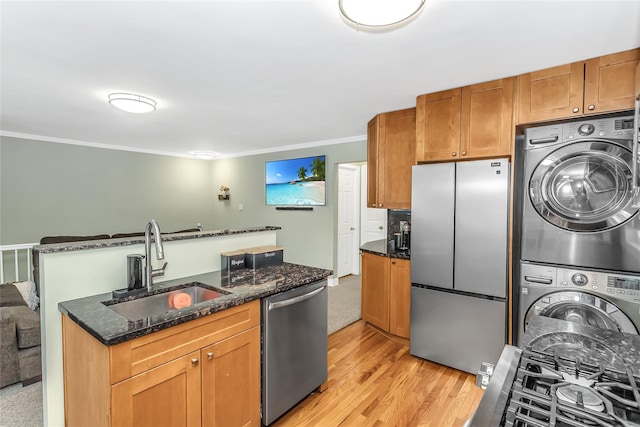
459	224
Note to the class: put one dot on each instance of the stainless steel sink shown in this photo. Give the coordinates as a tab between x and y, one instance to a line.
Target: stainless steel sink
158	304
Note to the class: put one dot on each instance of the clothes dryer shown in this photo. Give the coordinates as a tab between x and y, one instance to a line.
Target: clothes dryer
577	207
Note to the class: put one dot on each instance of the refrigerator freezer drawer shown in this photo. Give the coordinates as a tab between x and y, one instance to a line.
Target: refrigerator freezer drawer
456	330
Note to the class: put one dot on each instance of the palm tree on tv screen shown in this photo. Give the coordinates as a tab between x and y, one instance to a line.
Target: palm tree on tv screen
302	173
317	168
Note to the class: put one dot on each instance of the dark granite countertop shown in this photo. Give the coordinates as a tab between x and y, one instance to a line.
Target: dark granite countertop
240	287
545	333
384	248
128	241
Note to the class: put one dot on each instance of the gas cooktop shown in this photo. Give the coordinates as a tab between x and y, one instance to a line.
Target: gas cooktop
557	390
567	375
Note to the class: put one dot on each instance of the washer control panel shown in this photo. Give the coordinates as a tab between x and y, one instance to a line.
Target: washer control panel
602	128
621	128
620	286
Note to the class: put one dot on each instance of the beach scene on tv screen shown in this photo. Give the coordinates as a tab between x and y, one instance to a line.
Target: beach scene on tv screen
296	182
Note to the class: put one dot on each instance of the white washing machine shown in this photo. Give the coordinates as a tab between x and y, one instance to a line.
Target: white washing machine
595	298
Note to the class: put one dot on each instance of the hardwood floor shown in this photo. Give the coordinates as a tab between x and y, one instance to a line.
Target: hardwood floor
374	381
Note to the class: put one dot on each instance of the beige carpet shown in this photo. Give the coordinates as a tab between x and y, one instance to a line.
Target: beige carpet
21	406
344	303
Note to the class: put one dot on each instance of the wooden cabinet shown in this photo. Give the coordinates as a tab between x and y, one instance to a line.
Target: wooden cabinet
390	154
399	297
595	86
386	293
637	91
166	395
375	290
203	372
466	123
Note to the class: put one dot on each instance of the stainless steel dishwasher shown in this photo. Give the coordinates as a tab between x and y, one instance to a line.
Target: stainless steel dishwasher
294	347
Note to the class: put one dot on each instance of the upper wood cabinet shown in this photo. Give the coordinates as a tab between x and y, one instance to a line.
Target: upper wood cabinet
391	139
471	122
595	86
637	92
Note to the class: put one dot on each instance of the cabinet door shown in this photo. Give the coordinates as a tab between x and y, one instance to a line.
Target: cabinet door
486	119
400	297
610	82
375	290
438	126
231	381
396	151
551	94
637	91
372	163
168	395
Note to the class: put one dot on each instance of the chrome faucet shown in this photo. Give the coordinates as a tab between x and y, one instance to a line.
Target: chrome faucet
150	273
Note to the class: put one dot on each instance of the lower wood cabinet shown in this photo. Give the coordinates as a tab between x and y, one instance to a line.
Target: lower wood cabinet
386	293
211	379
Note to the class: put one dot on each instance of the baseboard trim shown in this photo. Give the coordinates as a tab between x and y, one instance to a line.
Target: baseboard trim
333	281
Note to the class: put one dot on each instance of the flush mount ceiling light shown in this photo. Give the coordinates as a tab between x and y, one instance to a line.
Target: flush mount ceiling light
132	103
205	155
379	13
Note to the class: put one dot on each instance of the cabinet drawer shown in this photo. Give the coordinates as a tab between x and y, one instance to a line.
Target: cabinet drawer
141	354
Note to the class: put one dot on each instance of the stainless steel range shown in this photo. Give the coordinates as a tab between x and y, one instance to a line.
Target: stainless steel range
568	375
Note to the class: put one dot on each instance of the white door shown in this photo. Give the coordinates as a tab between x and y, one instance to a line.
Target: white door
348	227
373	221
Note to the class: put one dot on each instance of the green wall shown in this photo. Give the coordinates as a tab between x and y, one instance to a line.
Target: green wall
308	237
60	189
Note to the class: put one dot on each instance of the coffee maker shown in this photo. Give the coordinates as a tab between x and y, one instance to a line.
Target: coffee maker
405	235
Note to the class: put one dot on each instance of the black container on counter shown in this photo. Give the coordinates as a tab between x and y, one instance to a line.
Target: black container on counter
263	256
233	260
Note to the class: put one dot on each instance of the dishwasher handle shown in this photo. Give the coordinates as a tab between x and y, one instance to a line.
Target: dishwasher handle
295	300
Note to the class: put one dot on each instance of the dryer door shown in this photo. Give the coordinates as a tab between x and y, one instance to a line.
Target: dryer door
585	186
583	308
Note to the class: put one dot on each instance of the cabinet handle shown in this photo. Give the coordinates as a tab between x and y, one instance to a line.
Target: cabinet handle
380	205
380	227
393	262
453	154
576	110
194	362
464	153
352	228
210	355
591	107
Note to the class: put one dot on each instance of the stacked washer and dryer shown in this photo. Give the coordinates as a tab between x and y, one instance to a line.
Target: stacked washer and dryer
580	234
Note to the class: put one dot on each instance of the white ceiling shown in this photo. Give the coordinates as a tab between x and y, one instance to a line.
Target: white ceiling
241	77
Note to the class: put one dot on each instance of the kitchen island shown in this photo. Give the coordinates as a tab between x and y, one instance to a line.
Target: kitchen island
196	365
70	271
241	286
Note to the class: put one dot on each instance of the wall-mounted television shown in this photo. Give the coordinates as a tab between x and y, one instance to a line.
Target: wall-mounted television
296	182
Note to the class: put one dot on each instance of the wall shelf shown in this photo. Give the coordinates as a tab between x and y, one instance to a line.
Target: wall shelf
294	208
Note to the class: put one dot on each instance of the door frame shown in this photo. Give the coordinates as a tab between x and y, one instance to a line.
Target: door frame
355	216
